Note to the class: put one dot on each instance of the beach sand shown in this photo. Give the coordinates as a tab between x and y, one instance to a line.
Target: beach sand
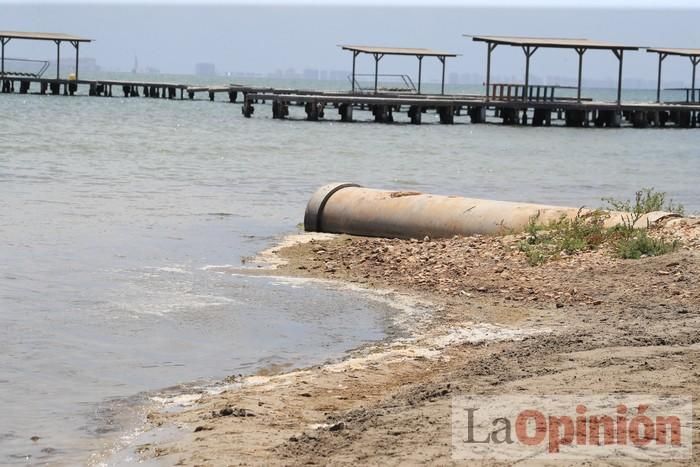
583	324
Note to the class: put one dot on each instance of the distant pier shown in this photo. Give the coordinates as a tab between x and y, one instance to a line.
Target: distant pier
506	103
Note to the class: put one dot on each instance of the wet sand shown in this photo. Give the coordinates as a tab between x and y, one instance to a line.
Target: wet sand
584	324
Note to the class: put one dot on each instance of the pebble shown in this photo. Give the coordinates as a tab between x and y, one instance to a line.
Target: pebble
235	412
338	426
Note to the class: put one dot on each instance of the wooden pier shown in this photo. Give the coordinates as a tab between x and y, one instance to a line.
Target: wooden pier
540	109
479	109
506	103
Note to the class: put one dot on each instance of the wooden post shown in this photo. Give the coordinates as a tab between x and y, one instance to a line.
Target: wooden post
694	61
580	52
662	56
491	47
354	58
442	89
76	44
58	58
528	53
619	53
420	70
527	71
3	41
376	71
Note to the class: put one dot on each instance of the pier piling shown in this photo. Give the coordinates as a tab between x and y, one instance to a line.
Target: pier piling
345	111
447	115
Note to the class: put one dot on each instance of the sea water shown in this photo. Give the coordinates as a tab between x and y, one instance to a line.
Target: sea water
116	216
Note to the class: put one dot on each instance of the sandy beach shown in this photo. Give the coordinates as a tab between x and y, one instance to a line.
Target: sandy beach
584	324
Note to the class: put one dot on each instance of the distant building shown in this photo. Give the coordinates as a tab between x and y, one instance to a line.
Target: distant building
338	75
290	73
205	69
310	74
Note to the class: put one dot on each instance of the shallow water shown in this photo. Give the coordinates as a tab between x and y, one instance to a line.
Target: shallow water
112	212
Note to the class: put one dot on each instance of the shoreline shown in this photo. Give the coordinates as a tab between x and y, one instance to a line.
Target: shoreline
128	446
586	323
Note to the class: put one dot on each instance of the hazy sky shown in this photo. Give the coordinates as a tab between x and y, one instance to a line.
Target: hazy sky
173	36
459	3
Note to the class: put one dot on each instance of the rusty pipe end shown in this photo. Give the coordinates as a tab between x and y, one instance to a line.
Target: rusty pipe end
314	208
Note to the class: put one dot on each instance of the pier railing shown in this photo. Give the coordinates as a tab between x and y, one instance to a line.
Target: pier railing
25	68
692	95
408	84
537	92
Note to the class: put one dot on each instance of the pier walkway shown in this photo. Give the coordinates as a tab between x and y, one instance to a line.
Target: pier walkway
507	103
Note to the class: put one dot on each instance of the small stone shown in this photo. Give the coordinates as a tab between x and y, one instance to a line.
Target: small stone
232	411
560	305
337	427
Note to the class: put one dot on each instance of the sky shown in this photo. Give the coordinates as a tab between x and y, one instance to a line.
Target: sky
239	37
638	4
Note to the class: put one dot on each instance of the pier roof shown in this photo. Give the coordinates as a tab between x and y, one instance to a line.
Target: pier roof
419	52
671	51
42	36
552	42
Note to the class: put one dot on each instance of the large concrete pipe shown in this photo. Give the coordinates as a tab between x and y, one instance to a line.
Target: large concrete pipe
352	209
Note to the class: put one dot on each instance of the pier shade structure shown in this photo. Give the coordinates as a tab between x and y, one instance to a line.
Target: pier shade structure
378	52
692	54
57	38
531	44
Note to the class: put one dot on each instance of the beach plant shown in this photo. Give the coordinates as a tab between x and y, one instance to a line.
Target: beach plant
646	200
564	236
586	231
637	244
631	242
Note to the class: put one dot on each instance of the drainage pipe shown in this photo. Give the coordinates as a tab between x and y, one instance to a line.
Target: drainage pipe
351	209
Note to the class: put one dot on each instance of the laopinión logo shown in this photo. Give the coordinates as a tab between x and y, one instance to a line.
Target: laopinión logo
516	427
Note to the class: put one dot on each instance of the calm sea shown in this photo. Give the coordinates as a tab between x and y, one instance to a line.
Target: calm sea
114	214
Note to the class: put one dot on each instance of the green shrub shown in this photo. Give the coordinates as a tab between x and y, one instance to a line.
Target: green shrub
641	244
586	231
569	236
646	200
